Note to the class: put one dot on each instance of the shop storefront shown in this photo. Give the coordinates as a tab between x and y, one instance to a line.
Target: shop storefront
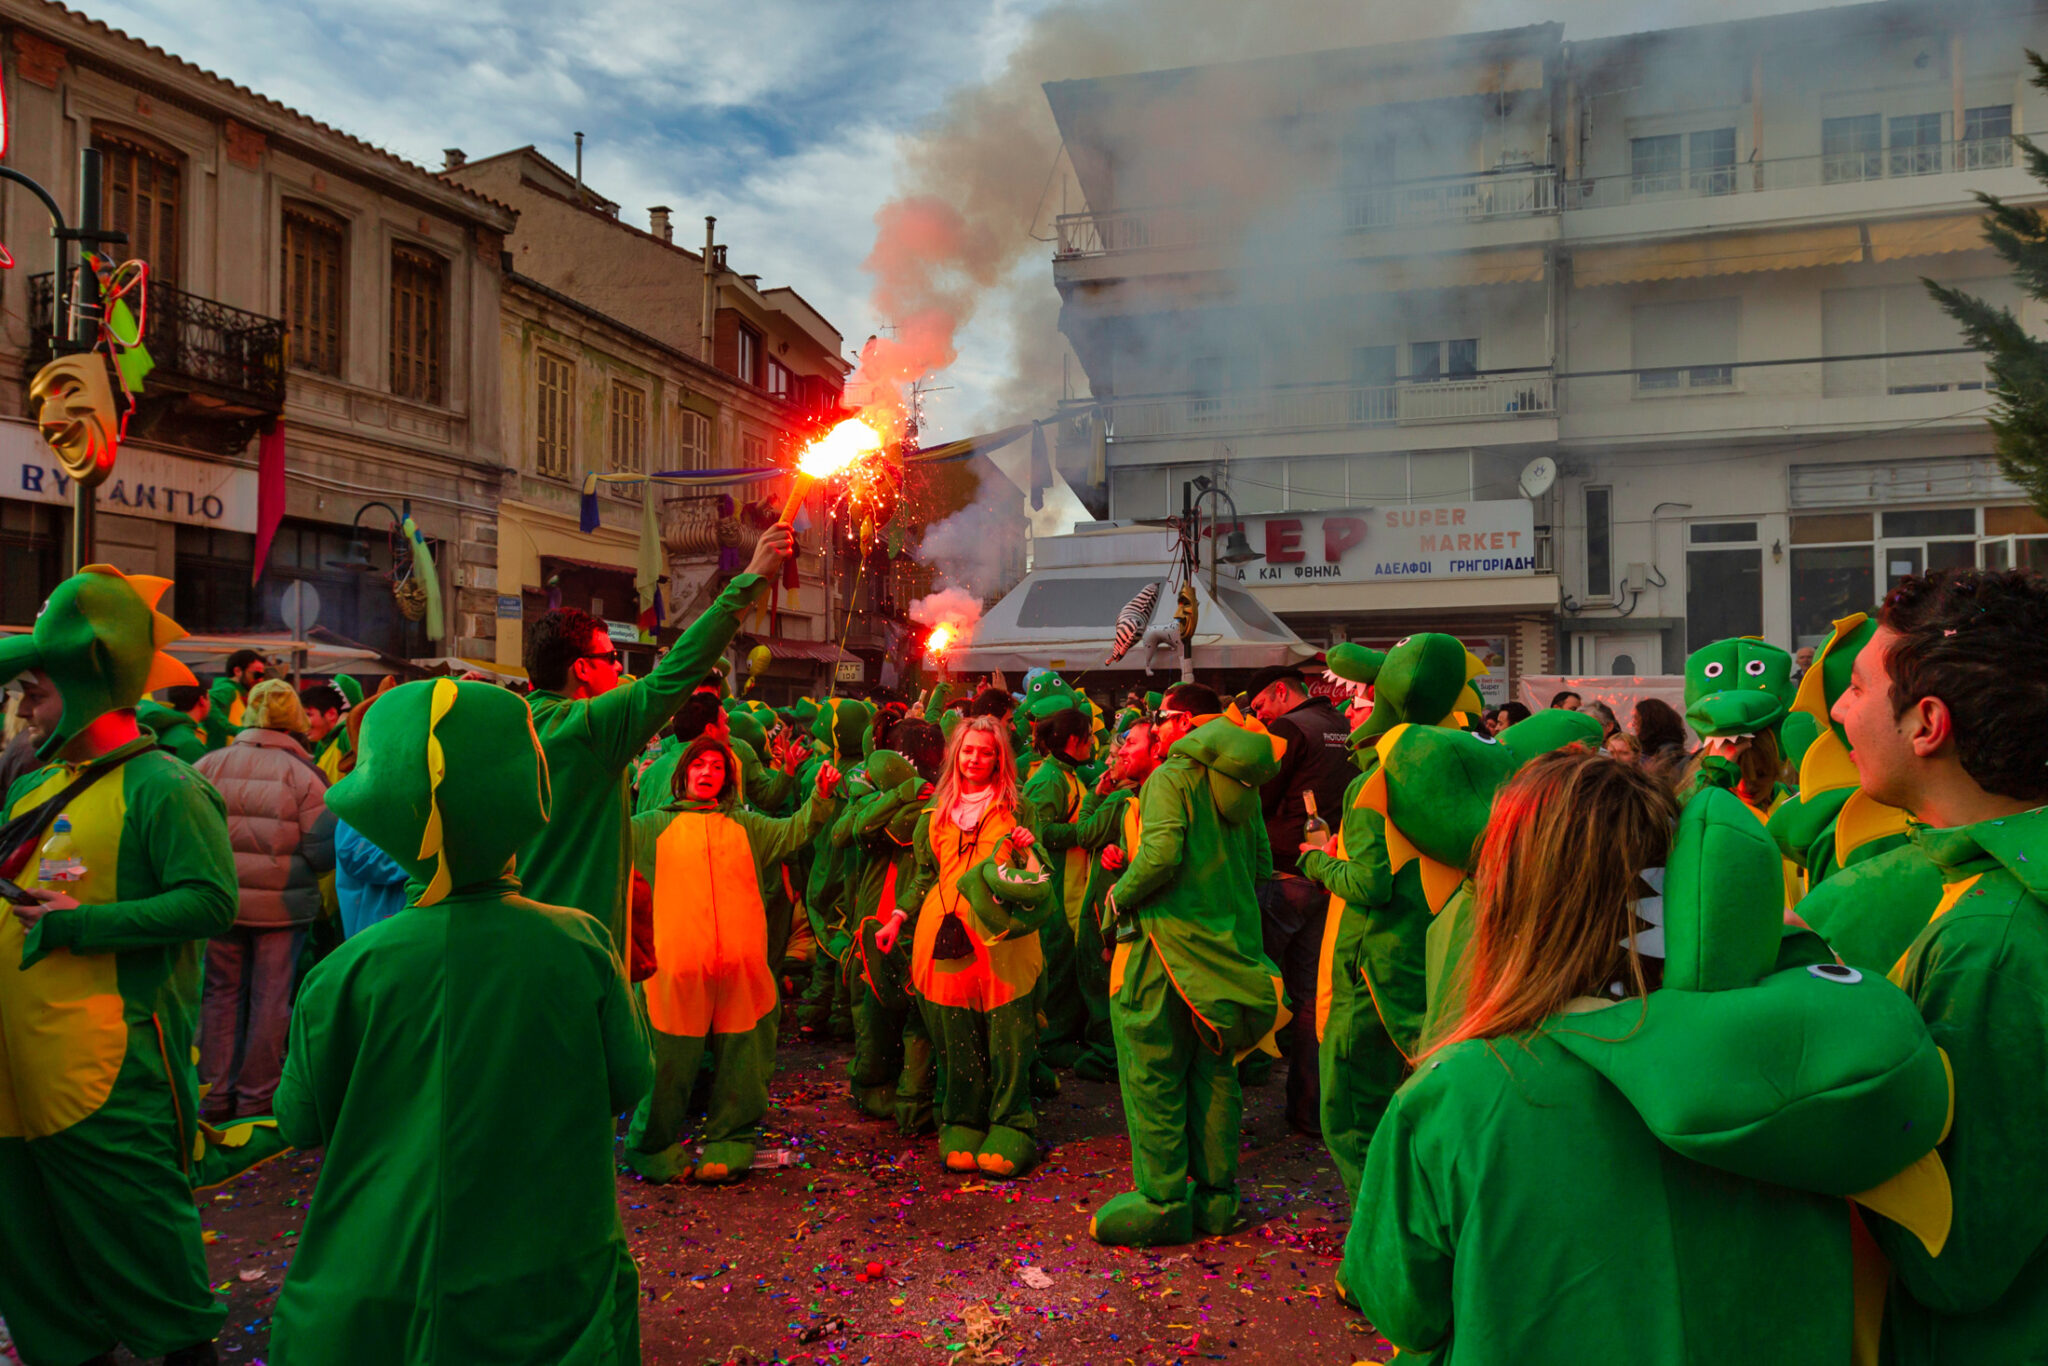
1374	575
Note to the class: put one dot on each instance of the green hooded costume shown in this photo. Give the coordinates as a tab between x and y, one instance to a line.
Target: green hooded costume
713	992
890	1073
1653	1179
99	1239
839	733
1058	791
1191	990
1871	887
582	856
175	731
1978	972
1371	991
463	1063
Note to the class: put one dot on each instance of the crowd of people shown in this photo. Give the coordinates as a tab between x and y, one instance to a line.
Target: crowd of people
1736	1017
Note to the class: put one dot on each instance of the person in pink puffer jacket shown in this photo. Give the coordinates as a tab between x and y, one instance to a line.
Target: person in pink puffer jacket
283	839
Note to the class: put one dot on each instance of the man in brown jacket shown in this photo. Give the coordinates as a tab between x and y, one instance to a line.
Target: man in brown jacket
283	839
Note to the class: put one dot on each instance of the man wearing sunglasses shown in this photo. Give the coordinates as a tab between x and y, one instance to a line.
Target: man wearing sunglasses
591	729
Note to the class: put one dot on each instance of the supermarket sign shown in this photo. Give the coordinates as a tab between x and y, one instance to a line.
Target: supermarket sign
1493	539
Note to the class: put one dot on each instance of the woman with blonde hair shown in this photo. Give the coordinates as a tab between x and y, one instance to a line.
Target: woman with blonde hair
1515	1205
975	957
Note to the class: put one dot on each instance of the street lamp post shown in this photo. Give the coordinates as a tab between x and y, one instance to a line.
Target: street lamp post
1235	549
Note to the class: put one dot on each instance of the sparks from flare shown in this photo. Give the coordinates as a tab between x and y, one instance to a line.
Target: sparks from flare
939	641
830	455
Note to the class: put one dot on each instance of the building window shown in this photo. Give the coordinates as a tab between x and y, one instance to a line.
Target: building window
314	287
33	555
1893	321
779	379
1443	360
753	451
141	194
215	595
1851	148
1828	583
419	324
1710	158
629	430
1987	138
693	440
1653	164
1599	543
747	355
1689	345
553	398
1724	584
1916	144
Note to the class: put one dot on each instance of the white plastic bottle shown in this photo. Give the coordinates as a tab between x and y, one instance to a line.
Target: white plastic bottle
58	862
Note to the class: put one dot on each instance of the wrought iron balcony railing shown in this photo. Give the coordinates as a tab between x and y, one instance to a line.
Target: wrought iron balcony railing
234	358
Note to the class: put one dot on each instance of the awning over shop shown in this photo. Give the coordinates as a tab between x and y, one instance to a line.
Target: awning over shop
1063	616
1927	237
1729	254
810	651
1513	266
459	664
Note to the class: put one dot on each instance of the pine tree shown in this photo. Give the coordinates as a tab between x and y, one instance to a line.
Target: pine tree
2018	363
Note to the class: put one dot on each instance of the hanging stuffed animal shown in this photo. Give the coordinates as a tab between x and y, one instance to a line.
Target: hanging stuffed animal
1130	623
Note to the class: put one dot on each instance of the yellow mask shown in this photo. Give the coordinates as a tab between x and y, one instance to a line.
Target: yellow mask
74	405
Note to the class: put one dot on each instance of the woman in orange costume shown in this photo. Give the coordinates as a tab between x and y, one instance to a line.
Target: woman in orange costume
973	964
712	988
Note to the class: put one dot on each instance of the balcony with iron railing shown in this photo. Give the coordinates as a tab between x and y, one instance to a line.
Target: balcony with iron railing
1507	193
1910	163
1494	396
219	373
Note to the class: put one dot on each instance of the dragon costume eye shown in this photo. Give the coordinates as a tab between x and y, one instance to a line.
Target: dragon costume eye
1715	670
1836	972
1755	668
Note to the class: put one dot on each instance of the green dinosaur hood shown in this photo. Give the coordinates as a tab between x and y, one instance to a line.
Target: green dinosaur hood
100	639
1354	663
160	719
746	727
349	689
1759	1055
449	781
1435	785
1423	679
887	769
1240	758
840	724
2007	840
1737	687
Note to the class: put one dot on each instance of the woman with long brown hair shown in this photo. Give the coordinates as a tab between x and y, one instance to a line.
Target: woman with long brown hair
975	980
1515	1206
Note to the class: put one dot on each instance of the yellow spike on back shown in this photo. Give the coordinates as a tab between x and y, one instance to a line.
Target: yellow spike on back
149	587
168	672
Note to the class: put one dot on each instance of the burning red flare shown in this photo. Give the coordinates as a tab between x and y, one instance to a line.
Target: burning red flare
831	454
939	641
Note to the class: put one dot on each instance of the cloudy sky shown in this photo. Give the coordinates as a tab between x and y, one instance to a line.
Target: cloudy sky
786	118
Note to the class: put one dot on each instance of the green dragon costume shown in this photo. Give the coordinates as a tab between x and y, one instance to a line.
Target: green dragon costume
1871	888
1738	687
1191	990
456	1218
582	856
1978	972
1104	821
890	1074
1058	792
1683	1153
839	734
1371	989
975	959
713	992
99	1143
175	731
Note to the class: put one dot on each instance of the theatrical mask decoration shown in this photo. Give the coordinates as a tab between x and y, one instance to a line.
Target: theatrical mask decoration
77	417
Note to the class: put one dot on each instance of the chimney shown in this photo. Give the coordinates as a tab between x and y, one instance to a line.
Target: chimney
710	287
658	224
453	159
579	161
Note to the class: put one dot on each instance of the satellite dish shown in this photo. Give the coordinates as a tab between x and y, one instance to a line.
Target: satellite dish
1538	476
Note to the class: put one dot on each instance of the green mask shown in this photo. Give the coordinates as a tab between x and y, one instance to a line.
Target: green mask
1737	687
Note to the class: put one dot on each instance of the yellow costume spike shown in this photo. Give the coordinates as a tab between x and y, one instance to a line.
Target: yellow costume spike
432	842
1920	1199
1863	819
1440	882
1812	697
166	672
1827	765
149	587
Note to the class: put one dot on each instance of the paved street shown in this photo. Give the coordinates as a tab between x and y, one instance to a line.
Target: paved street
865	1251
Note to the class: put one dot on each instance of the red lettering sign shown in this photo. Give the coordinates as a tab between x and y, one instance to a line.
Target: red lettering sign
1339	535
1283	542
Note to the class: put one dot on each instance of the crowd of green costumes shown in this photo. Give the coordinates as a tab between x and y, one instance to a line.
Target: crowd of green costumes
1867	1087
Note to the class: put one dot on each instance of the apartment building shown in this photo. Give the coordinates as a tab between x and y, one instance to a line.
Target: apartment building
622	353
298	278
1596	350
